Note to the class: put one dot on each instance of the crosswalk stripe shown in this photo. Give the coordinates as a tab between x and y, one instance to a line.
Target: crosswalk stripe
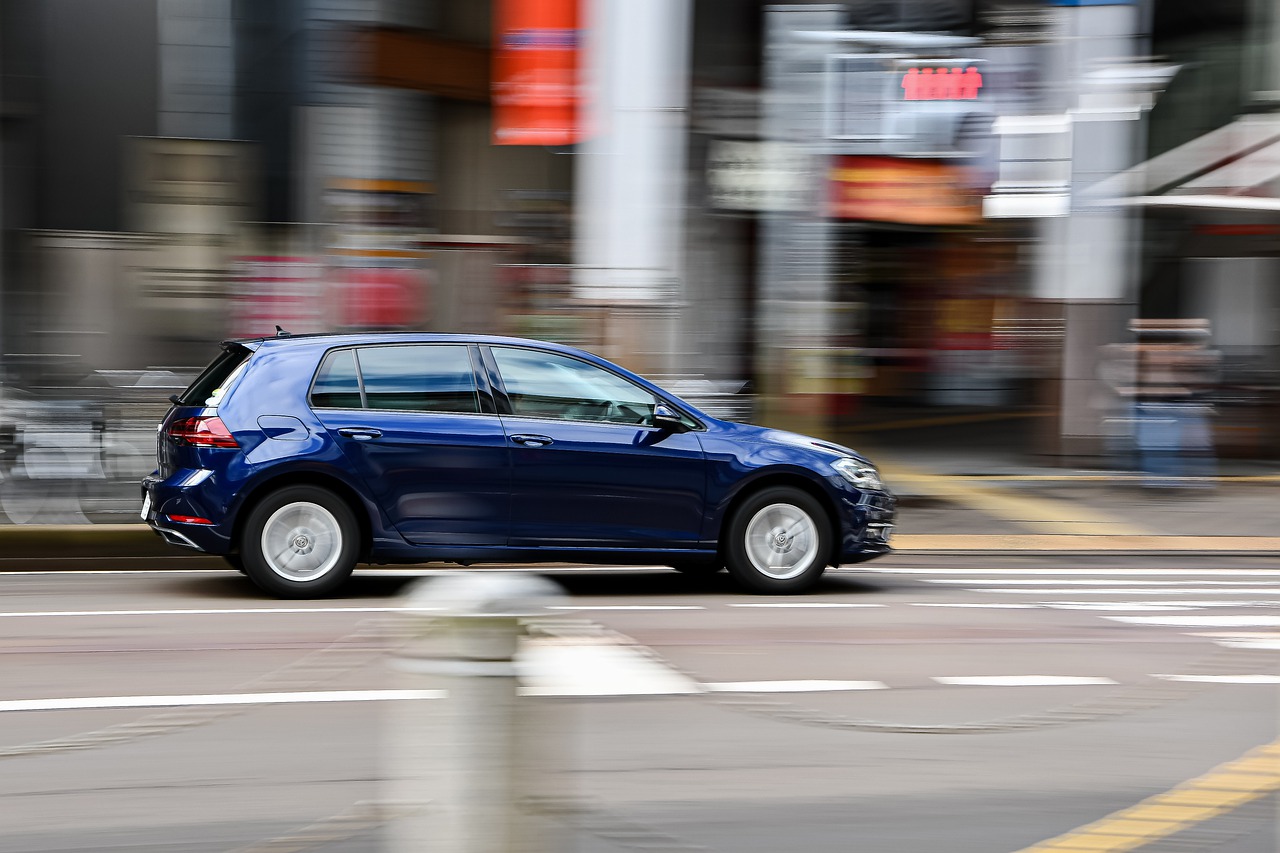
1200	621
1077	582
1132	591
1154	605
1020	680
1223	679
1102	572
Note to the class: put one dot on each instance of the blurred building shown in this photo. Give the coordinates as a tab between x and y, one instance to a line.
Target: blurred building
868	210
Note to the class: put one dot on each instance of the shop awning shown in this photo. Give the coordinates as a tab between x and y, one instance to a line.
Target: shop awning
1236	167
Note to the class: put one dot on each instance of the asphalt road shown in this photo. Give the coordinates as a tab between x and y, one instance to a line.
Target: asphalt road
944	704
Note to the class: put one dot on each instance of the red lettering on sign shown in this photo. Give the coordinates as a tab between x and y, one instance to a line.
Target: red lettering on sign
941	84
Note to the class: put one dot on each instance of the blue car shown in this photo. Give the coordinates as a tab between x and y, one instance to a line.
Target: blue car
297	457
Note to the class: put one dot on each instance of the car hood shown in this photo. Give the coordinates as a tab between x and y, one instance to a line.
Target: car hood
766	435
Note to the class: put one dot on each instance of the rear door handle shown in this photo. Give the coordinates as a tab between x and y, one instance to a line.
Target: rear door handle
360	433
530	440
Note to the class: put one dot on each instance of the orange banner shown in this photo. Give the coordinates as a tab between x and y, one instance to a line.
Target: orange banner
535	72
893	189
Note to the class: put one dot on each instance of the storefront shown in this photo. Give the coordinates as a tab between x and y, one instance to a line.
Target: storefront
931	291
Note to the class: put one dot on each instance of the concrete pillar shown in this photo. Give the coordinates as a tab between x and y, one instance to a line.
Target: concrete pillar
468	761
630	170
1087	260
794	317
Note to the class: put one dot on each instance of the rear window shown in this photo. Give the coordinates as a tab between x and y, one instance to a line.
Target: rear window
215	378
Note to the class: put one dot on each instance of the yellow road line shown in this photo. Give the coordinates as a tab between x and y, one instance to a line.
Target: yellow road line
1224	788
1044	515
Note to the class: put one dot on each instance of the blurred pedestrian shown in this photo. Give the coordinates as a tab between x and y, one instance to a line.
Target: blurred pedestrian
1175	372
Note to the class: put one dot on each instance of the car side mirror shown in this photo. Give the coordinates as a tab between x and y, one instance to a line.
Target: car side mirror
665	418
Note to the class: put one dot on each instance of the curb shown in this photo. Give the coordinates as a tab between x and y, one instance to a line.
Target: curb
85	540
129	541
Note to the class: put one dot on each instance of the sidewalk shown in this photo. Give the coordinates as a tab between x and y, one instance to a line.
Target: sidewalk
966	484
972	483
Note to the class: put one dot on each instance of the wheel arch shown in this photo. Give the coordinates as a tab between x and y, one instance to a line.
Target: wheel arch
794	480
345	492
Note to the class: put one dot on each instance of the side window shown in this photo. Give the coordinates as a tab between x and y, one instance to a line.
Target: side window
337	385
419	378
548	385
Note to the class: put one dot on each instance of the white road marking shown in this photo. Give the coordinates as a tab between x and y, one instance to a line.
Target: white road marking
360	573
177	701
1201	621
1139	592
802	686
992	606
598	669
626	607
1269	645
1081	582
1020	680
1224	679
18	614
1154	605
1069	572
803	604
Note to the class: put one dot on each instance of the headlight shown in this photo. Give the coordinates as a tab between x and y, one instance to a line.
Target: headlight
861	474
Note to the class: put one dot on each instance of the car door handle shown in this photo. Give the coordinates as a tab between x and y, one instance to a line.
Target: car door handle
529	440
360	433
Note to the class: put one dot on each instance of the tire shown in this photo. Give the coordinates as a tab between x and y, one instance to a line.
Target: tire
234	561
778	541
300	542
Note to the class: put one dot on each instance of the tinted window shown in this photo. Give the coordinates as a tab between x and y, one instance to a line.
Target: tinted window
215	376
337	384
429	378
546	385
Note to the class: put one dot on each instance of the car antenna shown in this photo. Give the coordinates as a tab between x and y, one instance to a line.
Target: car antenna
281	333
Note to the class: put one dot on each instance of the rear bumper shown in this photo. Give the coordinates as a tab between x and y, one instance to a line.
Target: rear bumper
186	495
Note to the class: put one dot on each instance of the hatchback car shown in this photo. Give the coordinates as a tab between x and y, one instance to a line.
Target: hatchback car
297	457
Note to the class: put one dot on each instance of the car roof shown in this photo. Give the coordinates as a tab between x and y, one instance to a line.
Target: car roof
338	339
350	338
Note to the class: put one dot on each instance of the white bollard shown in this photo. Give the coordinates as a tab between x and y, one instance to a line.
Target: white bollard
471	763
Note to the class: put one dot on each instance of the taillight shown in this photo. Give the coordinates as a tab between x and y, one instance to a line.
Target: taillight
201	432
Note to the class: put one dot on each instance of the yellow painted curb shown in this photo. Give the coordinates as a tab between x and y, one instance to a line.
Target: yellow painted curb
1224	788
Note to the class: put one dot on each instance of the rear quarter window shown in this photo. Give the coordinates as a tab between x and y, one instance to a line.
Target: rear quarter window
337	384
210	385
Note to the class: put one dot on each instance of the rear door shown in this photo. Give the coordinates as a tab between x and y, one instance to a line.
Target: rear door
410	420
588	469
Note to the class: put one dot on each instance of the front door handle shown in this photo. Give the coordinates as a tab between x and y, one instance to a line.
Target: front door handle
531	440
360	433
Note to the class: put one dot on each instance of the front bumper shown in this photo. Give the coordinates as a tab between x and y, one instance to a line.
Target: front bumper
867	526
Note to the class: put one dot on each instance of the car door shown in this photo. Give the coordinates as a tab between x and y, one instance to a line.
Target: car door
588	469
410	422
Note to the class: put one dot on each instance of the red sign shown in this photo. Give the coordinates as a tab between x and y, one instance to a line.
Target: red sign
942	84
891	189
381	298
535	72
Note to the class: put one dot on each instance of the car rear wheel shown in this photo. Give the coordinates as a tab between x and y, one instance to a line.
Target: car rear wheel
778	541
234	561
300	542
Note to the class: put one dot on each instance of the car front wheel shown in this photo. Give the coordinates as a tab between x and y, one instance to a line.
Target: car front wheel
300	542
778	541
